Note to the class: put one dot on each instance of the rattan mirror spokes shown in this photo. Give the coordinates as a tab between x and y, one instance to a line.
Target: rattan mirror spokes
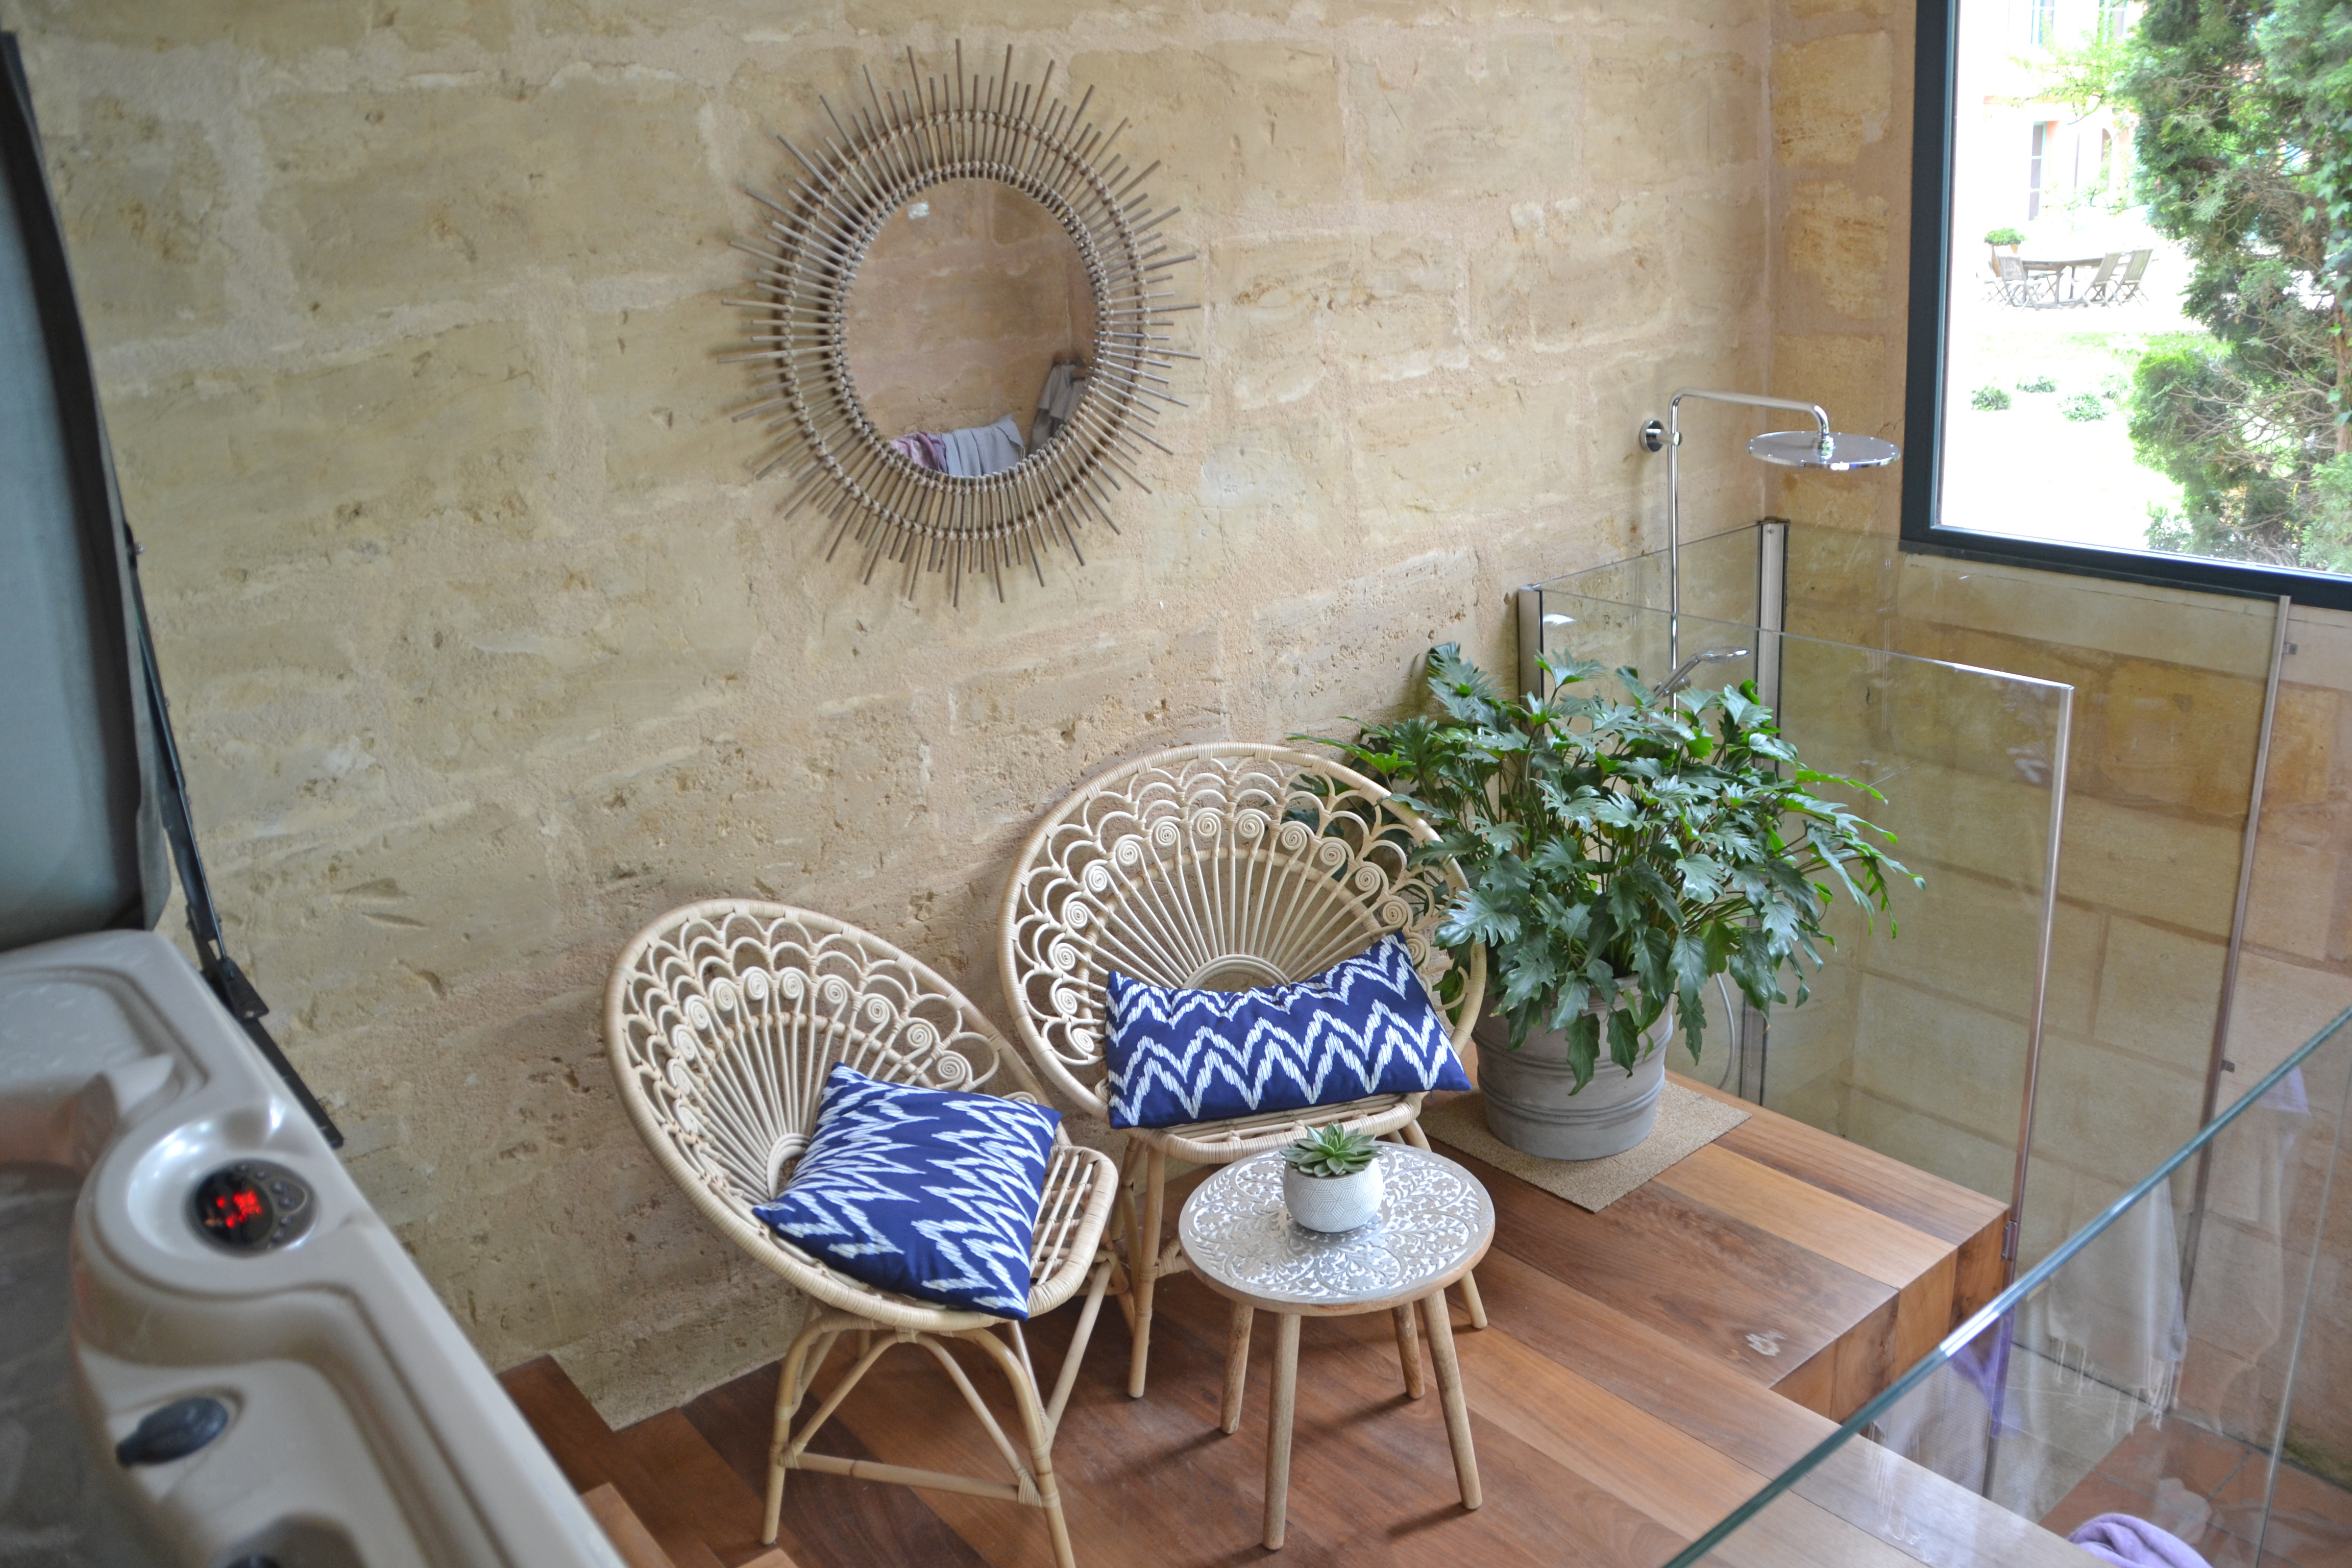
874	162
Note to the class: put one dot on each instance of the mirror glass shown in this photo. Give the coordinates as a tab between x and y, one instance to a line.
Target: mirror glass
970	307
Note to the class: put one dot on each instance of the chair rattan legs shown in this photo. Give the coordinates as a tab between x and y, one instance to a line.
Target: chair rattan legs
1143	1266
1030	1460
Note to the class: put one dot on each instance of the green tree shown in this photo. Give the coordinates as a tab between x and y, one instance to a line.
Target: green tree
2244	153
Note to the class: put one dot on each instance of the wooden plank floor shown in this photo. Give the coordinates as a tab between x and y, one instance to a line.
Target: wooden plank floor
1647	1369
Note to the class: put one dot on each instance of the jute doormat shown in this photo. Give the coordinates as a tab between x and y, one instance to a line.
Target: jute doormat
1688	1121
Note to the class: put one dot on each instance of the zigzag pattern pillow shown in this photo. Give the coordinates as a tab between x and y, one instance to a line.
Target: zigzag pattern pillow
926	1192
1363	1026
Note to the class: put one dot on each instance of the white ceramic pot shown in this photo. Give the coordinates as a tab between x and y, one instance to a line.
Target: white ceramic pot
1533	1103
1333	1203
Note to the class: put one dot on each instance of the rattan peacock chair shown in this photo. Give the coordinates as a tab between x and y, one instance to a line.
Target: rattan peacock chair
722	1019
1219	867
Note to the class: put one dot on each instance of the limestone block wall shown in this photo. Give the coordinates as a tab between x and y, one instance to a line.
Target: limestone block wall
485	649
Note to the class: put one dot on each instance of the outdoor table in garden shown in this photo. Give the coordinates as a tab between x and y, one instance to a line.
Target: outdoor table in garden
2062	269
1435	1223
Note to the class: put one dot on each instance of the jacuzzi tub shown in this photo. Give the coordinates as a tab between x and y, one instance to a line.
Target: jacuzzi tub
360	1426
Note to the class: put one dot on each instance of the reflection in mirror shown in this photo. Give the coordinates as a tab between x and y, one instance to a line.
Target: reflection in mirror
969	328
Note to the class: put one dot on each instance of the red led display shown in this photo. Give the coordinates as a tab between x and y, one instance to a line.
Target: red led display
234	1211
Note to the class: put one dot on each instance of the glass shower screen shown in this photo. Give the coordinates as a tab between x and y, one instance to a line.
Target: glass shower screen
1920	1037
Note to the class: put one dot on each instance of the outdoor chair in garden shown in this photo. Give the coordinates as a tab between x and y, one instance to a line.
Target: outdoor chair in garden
2095	292
2126	288
722	1021
2022	289
1217	867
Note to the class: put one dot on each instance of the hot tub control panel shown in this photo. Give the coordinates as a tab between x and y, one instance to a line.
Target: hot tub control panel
251	1207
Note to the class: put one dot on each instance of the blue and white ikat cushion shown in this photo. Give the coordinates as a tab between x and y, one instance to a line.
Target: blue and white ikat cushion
926	1192
1363	1026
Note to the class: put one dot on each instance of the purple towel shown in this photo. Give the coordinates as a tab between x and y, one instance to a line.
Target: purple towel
922	450
1984	1363
2130	1543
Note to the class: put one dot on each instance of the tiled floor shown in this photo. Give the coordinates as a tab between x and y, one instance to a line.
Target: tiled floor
2208	1489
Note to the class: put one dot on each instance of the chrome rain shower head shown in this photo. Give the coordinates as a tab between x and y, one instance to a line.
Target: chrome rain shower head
1836	451
1681	677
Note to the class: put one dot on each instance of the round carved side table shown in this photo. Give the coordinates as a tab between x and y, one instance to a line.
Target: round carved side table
1435	1223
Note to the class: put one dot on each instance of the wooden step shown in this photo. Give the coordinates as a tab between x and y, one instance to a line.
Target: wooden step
725	1511
624	1529
706	1525
833	1519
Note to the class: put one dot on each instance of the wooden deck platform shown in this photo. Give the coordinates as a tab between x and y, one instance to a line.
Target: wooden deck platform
1647	1369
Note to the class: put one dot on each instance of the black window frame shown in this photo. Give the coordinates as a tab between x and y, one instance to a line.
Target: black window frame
1924	390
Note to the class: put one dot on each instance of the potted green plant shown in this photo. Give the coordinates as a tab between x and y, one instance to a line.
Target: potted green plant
1331	1179
1618	855
2000	239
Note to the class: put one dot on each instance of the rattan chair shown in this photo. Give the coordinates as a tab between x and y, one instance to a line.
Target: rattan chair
722	1020
1219	865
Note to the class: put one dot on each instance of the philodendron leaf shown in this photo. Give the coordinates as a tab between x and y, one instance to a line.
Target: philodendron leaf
1560	857
1583	1046
1702	877
1573	997
1617	853
1461	688
1691	1016
1568	670
1528	976
1624	1039
1479	915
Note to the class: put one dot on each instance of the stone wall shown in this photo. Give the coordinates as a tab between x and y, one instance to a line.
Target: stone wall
485	649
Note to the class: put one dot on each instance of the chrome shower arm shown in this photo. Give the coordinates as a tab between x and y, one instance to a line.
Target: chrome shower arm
1671	437
1752	400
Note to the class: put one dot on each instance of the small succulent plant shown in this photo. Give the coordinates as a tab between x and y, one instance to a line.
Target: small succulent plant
1331	1152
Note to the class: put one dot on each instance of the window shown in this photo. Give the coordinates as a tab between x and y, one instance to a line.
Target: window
2082	412
2033	161
2040	23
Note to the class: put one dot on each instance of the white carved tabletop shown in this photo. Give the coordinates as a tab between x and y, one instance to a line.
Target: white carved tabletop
1435	1220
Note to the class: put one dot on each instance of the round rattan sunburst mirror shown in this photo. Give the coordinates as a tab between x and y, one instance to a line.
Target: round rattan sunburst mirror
876	491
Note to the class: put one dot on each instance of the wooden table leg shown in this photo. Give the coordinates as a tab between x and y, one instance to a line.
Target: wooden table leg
1277	1426
1409	1353
1237	1337
1449	1390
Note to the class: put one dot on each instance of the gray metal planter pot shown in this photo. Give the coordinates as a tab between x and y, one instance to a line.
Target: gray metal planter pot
1533	1103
